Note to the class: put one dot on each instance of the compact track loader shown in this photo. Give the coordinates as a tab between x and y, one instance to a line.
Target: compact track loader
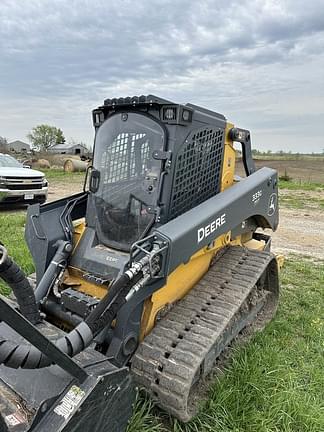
142	279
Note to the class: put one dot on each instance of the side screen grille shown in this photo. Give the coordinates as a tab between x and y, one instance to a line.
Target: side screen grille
198	170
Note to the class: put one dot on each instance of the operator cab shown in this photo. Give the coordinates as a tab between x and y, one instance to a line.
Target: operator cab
153	161
125	190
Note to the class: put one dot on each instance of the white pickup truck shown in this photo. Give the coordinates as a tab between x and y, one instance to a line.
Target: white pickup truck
20	184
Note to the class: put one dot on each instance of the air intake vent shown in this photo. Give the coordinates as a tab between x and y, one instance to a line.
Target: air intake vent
198	170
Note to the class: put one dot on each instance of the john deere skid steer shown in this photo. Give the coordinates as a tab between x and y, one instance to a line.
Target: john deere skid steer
141	280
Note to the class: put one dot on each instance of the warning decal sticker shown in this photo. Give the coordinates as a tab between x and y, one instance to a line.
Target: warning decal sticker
70	402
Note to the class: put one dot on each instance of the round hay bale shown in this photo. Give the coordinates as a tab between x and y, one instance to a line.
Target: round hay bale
72	165
41	163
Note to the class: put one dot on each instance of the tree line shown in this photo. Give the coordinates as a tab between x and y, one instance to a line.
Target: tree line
256	152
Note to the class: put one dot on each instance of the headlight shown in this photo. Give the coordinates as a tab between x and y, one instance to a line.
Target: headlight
2	181
45	182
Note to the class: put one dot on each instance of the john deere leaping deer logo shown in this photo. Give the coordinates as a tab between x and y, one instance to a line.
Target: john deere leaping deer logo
272	204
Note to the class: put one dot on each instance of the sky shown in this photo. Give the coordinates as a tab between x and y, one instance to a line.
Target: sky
258	62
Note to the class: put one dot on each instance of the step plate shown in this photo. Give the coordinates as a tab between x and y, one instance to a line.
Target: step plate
184	345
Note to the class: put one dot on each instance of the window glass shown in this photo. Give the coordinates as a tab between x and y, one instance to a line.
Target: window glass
129	177
8	161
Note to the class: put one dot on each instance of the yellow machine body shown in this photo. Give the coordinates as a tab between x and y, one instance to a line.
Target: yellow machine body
185	277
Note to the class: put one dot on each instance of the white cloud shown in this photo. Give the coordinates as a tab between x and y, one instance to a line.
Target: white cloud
259	62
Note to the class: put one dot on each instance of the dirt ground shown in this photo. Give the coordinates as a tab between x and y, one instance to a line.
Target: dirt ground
304	170
300	232
59	190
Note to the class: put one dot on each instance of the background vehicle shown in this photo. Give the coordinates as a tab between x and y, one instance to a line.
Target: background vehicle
147	277
20	184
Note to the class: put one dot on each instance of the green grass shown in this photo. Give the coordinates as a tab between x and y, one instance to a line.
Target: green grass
301	195
275	383
60	175
12	236
299	202
300	186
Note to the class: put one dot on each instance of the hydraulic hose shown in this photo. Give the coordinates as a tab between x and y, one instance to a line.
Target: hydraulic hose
16	279
55	310
107	308
17	355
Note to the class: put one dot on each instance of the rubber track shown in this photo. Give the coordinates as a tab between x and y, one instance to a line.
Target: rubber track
184	345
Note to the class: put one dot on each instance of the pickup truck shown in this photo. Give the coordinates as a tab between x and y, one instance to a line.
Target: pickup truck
19	183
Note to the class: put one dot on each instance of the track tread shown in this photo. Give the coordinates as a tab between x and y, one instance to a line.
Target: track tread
166	363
